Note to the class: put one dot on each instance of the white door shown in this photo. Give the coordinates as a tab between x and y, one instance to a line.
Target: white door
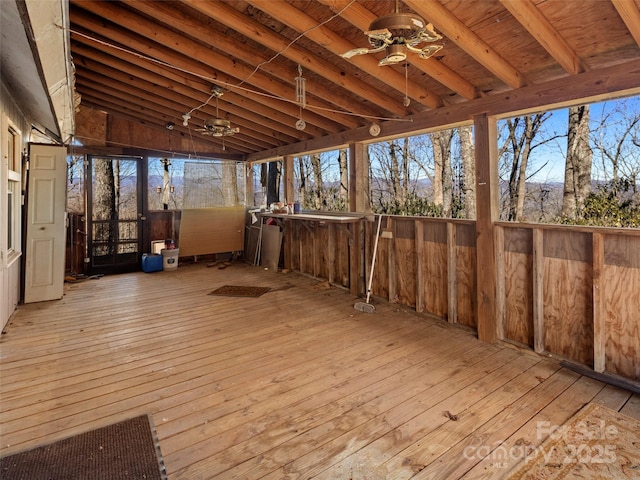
46	219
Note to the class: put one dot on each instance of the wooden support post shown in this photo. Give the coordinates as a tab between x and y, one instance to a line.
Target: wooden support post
501	310
358	178
487	214
287	164
599	307
248	184
538	290
452	274
419	241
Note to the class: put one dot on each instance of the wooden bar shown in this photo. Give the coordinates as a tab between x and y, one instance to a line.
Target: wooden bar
538	291
452	277
351	223
599	307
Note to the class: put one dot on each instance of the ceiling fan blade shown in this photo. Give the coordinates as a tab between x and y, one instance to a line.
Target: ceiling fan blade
428	51
354	52
392	59
383	34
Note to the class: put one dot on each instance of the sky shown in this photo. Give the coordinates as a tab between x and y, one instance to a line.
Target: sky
555	153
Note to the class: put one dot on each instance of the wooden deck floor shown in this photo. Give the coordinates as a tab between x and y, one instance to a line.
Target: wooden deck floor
295	384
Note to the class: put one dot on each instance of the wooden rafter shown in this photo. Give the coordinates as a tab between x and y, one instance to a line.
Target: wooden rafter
630	14
434	12
298	20
162	59
537	25
361	18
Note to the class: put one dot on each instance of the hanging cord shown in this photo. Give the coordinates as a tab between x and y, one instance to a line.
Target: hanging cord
260	65
406	100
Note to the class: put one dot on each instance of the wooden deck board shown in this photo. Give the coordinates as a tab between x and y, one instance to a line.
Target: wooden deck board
293	384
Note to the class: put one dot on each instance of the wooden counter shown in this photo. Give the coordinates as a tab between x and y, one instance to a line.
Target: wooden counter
309	250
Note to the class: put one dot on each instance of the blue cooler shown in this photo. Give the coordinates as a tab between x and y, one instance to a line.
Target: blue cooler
151	262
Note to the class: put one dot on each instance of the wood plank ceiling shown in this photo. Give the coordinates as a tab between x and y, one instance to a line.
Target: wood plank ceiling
150	62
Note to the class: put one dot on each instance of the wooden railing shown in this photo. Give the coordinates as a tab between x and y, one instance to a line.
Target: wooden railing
571	291
565	290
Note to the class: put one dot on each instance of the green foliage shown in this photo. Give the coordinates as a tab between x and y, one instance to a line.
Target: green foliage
417	206
612	205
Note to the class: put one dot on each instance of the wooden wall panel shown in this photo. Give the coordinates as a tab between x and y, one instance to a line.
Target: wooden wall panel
306	245
519	298
405	261
467	286
342	257
160	225
380	286
435	269
466	274
294	237
518	270
621	277
568	308
322	254
211	230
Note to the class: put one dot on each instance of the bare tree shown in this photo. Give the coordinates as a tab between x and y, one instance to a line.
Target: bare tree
319	194
273	182
343	163
468	186
617	141
577	176
442	175
517	148
75	184
229	184
104	203
303	179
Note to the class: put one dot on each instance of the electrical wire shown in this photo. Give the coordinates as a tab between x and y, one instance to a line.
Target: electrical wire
231	86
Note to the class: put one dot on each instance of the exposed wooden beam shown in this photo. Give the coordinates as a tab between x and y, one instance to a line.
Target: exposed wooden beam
617	81
117	107
531	18
281	115
144	103
141	90
298	20
223	12
163	141
164	14
361	18
433	11
188	55
630	15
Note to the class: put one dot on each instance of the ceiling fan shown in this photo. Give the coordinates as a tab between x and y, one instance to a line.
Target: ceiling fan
399	33
218	127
